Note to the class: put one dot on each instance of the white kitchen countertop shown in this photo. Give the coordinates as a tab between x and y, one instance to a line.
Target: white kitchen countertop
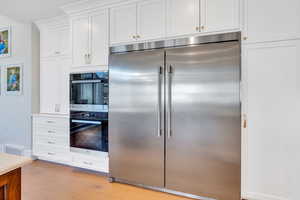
11	162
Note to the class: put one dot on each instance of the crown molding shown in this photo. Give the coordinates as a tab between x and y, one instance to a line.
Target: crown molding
90	6
55	22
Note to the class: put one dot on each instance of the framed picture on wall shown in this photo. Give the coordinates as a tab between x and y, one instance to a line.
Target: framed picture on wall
13	79
5	41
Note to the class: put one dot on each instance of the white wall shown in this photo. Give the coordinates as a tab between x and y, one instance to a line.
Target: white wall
15	111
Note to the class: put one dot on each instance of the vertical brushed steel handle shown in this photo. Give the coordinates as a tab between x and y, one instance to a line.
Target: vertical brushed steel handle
169	100
159	113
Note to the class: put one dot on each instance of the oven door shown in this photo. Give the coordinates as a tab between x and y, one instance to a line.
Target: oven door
90	135
89	92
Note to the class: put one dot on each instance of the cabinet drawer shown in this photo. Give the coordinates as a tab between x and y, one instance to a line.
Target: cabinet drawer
97	164
51	131
49	140
51	121
52	152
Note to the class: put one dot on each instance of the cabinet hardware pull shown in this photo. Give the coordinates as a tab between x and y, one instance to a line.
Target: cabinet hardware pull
87	163
51	154
86	58
197	28
50	122
202	27
245	38
51	131
134	37
138	36
51	142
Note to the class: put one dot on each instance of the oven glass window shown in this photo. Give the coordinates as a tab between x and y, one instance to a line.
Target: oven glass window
92	135
91	88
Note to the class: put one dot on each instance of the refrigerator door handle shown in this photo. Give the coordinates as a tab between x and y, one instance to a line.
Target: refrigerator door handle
159	113
169	100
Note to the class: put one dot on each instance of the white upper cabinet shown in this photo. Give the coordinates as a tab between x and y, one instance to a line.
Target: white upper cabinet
151	19
55	41
183	17
99	40
123	20
80	40
90	40
143	20
271	20
220	15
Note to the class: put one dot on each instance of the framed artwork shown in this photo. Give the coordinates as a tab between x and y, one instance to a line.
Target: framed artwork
13	79
5	41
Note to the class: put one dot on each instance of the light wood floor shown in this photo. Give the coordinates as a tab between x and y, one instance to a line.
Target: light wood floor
47	181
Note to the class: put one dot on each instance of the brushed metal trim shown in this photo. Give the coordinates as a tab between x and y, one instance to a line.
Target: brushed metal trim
160	189
195	40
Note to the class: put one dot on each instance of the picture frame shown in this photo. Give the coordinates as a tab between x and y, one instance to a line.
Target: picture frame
1	78
5	41
13	79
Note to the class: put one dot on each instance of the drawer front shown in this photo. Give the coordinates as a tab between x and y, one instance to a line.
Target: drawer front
51	131
50	140
51	121
52	152
91	163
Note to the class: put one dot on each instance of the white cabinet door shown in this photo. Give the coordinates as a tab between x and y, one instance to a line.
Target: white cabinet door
220	15
183	17
123	23
49	86
151	19
80	40
99	38
271	20
271	141
63	92
49	42
64	41
54	87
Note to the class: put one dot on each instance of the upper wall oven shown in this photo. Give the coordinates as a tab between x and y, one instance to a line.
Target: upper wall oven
89	92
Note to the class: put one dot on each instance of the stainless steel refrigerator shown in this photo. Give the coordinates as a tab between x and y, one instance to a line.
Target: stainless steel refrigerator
175	116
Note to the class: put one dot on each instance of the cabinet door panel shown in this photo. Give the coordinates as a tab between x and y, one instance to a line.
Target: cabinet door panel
123	23
49	42
183	16
64	41
49	86
99	39
220	15
151	19
80	38
63	75
271	74
270	20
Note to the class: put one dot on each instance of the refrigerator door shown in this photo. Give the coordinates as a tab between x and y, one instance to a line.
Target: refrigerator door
203	144
136	138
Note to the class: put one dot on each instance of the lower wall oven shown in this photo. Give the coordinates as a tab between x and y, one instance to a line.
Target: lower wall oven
89	130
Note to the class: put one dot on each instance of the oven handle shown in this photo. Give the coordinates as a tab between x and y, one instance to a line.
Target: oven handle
86	122
87	81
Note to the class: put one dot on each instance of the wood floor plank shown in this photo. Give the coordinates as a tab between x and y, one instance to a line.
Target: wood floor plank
47	181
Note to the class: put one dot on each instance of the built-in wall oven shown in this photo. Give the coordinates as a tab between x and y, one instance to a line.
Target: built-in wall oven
89	111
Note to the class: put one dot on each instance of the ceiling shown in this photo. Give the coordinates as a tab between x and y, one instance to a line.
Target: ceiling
31	10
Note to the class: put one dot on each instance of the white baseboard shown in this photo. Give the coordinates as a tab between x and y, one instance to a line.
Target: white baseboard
22	150
259	196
